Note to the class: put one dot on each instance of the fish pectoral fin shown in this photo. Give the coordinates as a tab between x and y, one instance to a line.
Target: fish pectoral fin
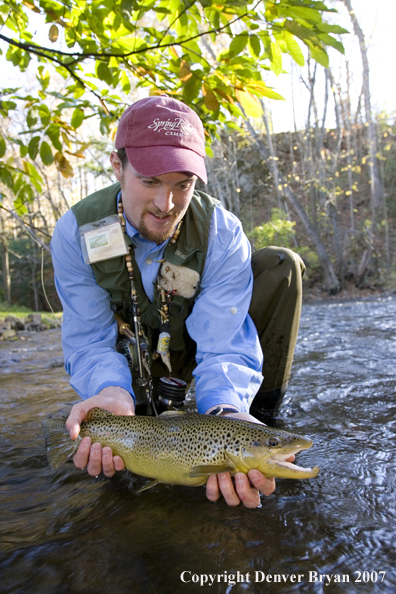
238	464
207	469
147	486
170	413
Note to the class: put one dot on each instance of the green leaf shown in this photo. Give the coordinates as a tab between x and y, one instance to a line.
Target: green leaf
276	58
260	88
125	82
103	72
309	14
329	40
46	154
6	177
53	132
34	175
2	146
191	89
77	118
319	55
254	43
327	28
237	45
6	106
300	31
45	115
31	119
33	147
293	48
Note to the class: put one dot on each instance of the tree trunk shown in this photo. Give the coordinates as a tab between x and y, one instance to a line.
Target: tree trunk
377	197
331	281
5	261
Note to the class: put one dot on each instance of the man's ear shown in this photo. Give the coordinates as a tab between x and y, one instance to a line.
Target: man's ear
116	165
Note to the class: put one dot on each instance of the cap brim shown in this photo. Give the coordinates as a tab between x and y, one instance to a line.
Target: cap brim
152	161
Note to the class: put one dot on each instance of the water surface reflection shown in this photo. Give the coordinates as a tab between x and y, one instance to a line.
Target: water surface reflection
66	532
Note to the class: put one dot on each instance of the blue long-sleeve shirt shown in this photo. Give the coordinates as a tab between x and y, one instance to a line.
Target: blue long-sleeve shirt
229	356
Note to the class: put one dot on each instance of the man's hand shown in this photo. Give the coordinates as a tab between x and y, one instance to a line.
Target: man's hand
242	490
115	400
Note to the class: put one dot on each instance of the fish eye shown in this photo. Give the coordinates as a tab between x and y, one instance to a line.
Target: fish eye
273	442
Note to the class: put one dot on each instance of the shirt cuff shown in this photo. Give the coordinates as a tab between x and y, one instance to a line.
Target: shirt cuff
204	403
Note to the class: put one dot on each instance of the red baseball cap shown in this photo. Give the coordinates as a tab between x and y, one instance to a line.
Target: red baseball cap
162	135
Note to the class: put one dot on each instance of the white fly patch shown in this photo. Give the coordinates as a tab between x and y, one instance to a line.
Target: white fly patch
179	279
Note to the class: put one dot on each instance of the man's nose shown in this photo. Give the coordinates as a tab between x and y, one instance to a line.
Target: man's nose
164	199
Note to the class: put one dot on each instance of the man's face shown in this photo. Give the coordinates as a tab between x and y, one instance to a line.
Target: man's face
153	205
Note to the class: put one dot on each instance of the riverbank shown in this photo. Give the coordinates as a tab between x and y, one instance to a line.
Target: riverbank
349	293
15	319
11	325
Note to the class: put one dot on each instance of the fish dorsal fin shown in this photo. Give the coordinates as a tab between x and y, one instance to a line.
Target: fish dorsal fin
238	463
98	413
171	413
207	469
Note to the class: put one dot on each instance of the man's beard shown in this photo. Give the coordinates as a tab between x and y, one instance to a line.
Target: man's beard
158	236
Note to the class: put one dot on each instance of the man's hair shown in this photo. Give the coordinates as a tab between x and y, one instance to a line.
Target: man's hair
122	155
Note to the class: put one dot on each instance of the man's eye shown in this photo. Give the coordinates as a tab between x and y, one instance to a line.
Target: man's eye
184	186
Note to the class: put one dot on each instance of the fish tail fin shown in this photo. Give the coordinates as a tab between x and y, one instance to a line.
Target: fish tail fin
59	445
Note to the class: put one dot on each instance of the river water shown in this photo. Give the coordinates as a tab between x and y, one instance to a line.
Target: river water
66	532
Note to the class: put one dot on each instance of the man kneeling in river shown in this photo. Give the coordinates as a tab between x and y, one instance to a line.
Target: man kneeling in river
157	279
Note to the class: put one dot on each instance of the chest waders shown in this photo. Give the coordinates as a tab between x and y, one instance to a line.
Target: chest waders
189	251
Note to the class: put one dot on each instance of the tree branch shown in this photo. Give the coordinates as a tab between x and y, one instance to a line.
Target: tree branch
26	227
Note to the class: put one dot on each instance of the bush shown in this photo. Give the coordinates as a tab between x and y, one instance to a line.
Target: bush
278	231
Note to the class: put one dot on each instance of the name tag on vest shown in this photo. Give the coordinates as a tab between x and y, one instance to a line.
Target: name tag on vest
102	240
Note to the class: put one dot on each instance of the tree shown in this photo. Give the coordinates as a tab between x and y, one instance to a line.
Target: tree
114	46
377	196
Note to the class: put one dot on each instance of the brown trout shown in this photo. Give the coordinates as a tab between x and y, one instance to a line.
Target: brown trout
183	448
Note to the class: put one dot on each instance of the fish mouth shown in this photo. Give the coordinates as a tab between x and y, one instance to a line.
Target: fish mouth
284	469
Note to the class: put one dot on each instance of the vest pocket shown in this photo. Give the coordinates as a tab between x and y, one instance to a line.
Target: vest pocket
110	266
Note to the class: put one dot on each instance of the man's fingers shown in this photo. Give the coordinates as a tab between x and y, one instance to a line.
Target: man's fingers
118	463
249	496
262	483
107	462
94	467
80	458
76	417
243	491
212	488
227	488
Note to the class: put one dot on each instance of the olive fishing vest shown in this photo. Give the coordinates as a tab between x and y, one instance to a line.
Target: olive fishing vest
189	250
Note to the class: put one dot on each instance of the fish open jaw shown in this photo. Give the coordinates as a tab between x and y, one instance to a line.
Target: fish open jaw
280	460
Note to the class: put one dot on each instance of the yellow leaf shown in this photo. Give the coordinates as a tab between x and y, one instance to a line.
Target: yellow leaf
66	139
250	104
79	155
53	33
173	51
63	165
31	6
185	71
210	98
113	133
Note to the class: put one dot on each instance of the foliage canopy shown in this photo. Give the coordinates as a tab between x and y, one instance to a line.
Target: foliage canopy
212	55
